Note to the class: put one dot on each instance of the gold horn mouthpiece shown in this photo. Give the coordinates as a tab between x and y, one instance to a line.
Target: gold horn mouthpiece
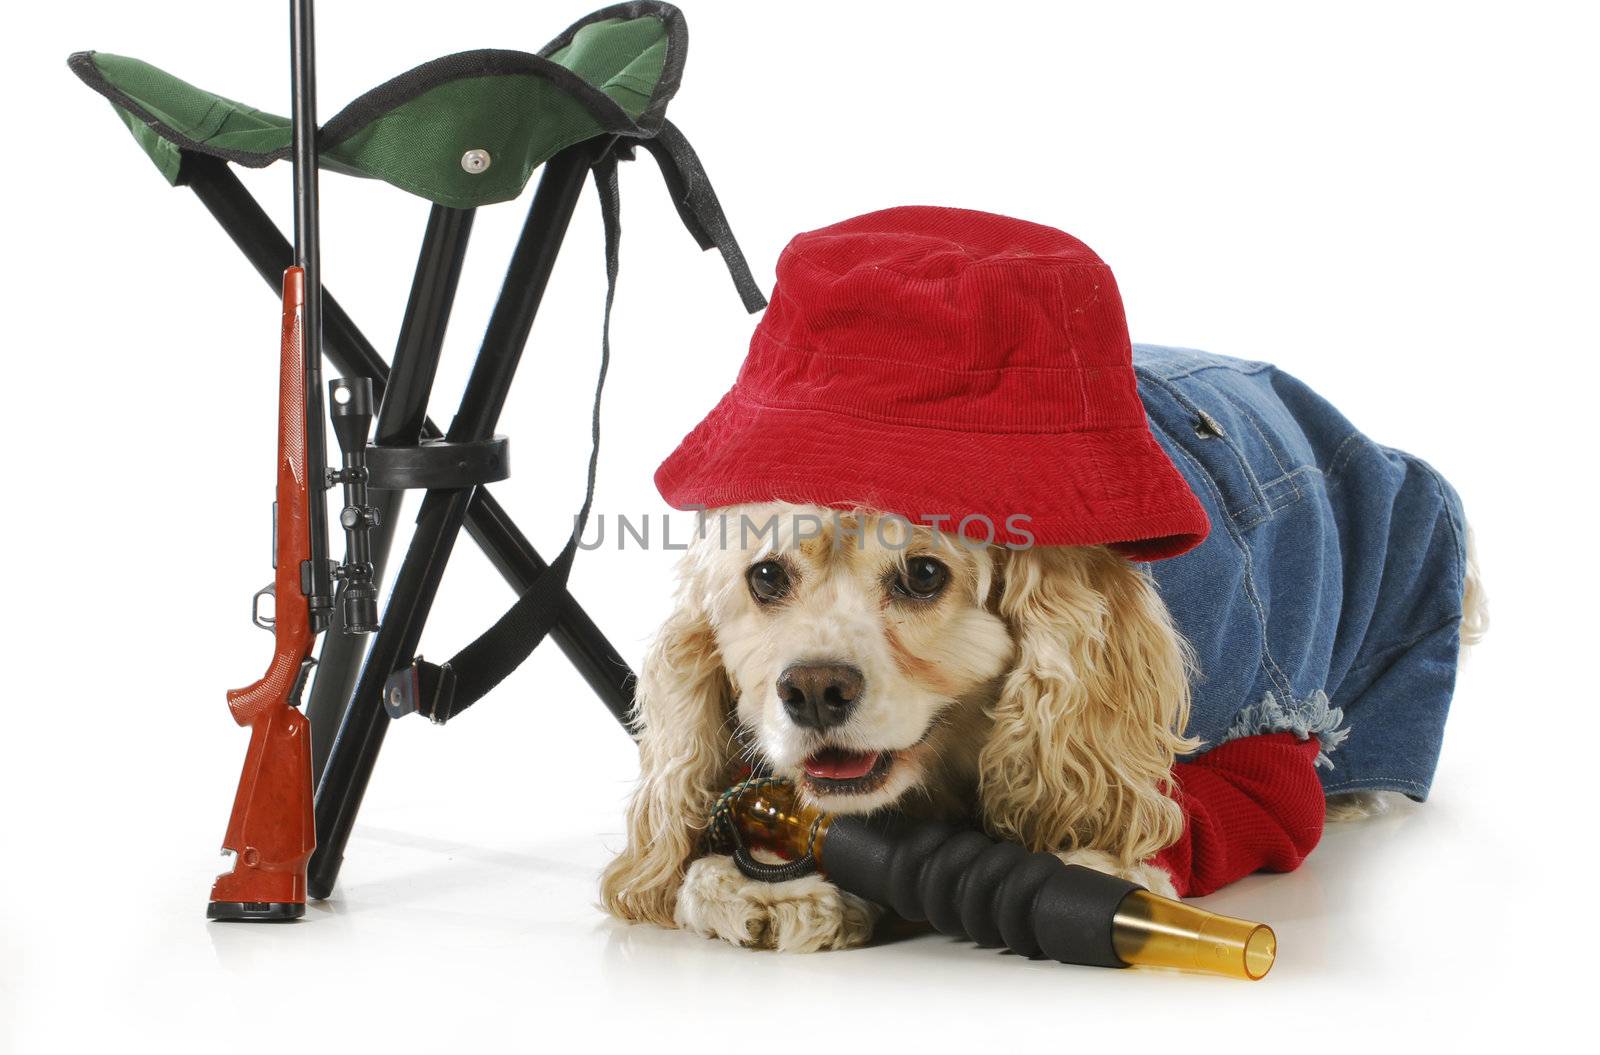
1152	931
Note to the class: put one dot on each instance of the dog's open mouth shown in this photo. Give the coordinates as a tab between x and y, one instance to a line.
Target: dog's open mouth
835	771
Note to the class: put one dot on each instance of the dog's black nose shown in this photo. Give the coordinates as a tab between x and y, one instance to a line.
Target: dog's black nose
820	695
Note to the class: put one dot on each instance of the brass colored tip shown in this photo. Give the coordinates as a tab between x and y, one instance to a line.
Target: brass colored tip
1154	931
1260	952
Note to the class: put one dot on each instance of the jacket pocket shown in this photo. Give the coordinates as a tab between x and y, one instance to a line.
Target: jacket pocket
1207	427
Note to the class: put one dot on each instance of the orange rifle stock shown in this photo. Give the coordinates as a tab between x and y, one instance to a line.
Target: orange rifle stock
272	831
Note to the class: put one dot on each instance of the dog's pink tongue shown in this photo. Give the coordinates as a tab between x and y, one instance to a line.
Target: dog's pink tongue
834	764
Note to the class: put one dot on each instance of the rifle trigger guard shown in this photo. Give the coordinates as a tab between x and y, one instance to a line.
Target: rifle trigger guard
264	622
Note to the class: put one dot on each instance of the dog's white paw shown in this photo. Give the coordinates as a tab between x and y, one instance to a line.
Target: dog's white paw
798	915
1153	878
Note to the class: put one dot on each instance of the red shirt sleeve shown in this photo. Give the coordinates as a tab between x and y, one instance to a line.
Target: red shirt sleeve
1252	804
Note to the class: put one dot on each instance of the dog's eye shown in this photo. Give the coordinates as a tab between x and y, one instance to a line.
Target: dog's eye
922	578
769	581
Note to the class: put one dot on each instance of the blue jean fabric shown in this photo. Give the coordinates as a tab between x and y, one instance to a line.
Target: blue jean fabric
1327	598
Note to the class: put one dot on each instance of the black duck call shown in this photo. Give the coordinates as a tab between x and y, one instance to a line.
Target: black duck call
995	893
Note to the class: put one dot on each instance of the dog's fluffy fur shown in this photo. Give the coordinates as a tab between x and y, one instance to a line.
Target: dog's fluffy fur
1044	691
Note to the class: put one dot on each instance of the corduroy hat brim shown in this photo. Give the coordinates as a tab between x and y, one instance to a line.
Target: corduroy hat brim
1110	486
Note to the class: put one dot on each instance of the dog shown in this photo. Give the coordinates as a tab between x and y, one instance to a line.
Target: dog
1115	680
958	645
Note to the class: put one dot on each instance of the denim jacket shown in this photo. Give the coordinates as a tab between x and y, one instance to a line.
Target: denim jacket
1327	599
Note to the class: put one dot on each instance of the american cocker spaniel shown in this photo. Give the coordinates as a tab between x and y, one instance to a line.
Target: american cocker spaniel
1041	693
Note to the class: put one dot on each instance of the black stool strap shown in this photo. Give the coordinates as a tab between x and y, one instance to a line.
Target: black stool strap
699	208
442	692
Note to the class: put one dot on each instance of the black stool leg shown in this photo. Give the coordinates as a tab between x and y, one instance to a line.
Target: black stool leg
585	647
489	525
400	418
360	737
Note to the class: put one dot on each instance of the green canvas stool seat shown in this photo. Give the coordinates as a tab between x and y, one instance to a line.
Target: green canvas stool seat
609	73
462	132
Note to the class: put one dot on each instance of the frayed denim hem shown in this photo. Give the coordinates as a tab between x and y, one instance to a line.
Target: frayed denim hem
1312	716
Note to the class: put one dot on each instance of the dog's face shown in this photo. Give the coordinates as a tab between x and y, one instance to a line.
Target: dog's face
861	651
1043	690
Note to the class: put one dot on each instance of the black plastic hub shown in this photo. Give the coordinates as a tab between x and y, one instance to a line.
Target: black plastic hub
438	464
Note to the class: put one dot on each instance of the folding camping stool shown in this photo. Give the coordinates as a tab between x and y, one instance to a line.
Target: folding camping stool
462	131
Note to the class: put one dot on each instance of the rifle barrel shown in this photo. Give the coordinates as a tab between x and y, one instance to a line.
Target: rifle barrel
303	121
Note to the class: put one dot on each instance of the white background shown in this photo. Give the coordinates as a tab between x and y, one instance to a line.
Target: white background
1393	201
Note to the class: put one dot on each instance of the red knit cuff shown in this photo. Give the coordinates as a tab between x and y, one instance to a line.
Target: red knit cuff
1249	805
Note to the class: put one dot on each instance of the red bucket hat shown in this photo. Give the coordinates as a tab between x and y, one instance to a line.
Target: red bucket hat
956	368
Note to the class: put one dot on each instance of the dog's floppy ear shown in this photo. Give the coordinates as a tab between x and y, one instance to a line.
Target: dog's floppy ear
1090	718
684	711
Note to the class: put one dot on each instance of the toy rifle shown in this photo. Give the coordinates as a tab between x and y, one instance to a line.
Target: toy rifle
994	893
271	831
